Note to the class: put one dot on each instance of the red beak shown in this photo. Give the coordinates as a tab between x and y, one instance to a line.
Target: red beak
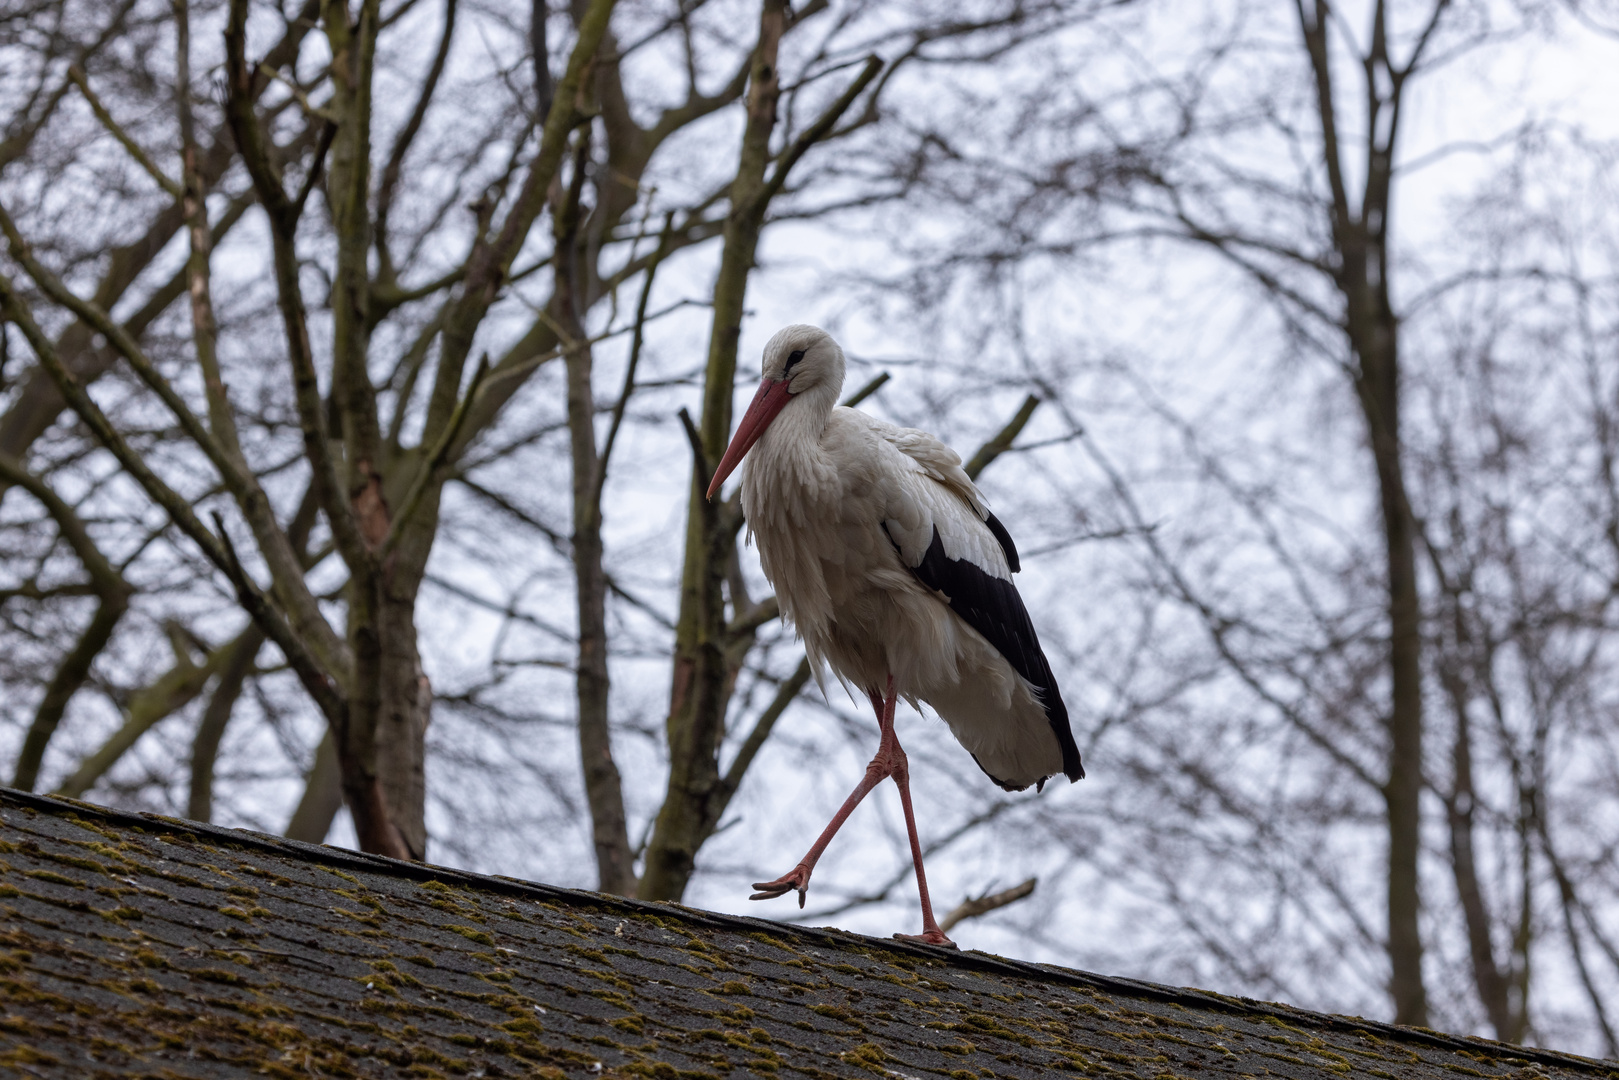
772	396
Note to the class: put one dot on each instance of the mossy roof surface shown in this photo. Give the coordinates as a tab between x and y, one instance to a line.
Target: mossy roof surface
143	946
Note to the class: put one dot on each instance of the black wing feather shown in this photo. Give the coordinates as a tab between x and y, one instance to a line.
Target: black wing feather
1005	539
992	606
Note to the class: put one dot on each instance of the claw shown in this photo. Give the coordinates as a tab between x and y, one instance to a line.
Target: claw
930	937
796	878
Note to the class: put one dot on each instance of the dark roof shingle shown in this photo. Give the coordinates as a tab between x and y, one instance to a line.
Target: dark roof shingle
142	946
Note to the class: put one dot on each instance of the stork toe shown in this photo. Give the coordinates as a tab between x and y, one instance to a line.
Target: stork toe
929	937
796	878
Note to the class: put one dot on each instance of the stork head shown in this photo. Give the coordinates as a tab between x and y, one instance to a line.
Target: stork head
799	359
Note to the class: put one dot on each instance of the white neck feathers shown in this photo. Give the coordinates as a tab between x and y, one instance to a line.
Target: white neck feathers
789	456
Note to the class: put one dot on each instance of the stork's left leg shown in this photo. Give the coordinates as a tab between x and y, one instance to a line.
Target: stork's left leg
879	769
889	761
931	934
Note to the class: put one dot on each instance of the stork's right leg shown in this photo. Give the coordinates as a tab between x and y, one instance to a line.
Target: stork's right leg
889	757
931	934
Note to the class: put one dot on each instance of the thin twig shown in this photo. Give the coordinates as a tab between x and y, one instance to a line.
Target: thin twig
600	479
127	141
818	130
517	368
786	694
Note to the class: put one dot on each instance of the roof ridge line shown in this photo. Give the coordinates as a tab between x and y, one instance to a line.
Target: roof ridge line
323	853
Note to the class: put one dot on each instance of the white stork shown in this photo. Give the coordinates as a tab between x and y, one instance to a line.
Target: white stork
893	572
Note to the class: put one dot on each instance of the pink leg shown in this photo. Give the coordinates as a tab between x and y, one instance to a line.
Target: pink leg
931	934
890	760
880	768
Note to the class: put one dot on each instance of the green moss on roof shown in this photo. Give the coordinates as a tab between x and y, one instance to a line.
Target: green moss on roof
213	953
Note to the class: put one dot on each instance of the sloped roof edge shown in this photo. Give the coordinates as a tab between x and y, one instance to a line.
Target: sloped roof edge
965	960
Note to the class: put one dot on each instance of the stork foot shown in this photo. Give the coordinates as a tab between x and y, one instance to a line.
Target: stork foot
796	878
929	937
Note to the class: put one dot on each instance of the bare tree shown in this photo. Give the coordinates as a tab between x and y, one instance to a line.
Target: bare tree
308	478
1318	510
1261	695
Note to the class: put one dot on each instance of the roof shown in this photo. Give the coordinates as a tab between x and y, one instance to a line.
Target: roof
135	945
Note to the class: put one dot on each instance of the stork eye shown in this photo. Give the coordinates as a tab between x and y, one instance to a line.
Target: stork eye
792	358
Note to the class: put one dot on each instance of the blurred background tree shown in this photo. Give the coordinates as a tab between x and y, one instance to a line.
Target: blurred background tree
363	362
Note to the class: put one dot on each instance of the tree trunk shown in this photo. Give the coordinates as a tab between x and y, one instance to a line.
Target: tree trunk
701	683
603	787
708	654
405	707
1403	792
1373	334
1371	327
1503	990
